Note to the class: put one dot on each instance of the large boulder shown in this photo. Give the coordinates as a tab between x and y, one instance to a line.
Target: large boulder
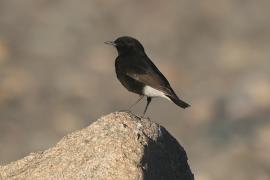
117	146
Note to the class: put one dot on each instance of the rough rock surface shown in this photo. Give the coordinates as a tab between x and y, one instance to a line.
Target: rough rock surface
117	146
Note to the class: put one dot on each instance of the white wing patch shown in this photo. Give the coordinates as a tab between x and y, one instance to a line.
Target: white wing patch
152	92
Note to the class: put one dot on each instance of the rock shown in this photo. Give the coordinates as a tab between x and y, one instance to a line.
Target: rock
117	146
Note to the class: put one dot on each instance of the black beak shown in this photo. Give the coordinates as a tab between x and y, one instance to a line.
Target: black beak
110	43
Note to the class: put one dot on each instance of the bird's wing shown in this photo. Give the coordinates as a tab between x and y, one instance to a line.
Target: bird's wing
149	75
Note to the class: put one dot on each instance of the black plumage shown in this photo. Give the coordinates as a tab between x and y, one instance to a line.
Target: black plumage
138	73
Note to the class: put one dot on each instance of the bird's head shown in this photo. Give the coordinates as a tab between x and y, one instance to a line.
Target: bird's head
126	44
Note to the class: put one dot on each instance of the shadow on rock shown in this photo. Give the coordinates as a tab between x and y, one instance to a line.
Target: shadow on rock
165	158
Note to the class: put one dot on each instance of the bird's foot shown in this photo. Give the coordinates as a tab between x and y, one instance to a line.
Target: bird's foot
144	117
138	117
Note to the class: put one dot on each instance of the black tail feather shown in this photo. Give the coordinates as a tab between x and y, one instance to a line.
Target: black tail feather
179	102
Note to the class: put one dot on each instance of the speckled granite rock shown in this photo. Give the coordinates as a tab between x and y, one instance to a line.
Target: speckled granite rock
117	146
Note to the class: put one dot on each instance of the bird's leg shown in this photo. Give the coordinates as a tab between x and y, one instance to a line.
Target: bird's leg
140	98
149	99
128	110
139	125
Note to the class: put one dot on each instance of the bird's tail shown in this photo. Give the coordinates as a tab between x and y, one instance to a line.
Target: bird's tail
178	101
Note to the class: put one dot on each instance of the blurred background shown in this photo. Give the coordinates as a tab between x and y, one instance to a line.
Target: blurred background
57	75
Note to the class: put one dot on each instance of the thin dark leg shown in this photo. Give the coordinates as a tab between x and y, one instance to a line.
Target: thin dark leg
140	98
149	99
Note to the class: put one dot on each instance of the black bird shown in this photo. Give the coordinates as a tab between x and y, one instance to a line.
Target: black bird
138	73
